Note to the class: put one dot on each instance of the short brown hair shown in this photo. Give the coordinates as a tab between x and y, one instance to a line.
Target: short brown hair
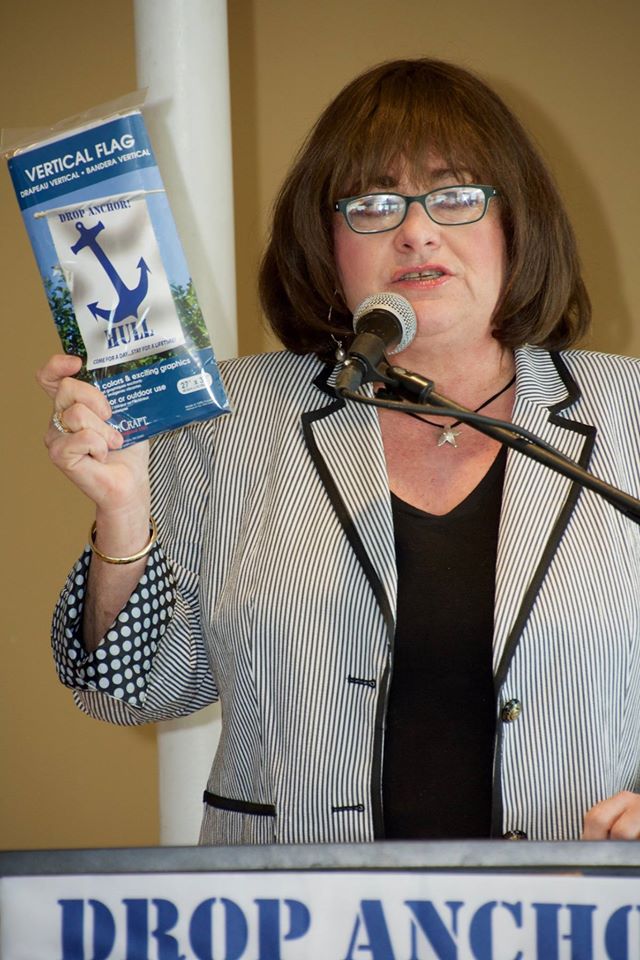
400	112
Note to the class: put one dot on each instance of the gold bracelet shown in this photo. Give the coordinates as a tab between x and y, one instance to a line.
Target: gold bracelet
153	534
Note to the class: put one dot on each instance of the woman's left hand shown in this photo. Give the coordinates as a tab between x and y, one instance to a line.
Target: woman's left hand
616	818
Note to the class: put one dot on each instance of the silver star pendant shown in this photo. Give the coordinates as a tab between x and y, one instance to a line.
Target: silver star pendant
448	435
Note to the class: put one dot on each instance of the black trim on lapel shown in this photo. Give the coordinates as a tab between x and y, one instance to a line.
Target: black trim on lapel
321	382
376	585
589	432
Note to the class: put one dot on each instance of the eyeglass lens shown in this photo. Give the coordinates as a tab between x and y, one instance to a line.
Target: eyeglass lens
384	211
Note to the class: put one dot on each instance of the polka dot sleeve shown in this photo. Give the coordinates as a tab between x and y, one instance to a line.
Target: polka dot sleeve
119	667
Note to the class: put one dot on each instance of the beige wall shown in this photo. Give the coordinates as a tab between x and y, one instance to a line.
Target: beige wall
569	69
66	780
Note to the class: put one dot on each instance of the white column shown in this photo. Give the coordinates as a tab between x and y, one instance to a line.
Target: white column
182	58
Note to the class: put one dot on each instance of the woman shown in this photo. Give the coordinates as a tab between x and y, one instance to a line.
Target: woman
412	633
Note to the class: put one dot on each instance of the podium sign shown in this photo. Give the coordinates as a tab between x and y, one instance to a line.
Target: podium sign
482	901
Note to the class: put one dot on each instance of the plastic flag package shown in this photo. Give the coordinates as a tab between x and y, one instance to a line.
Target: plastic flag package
114	271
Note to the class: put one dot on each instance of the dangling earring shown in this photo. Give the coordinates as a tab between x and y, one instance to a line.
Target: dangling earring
340	353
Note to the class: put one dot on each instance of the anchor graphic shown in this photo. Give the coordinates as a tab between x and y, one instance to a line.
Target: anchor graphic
129	299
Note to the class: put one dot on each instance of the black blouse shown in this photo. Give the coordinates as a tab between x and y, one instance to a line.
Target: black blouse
438	757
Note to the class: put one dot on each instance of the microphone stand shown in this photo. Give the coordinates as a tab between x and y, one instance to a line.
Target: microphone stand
424	400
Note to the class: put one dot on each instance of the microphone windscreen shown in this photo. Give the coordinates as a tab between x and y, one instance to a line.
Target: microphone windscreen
396	305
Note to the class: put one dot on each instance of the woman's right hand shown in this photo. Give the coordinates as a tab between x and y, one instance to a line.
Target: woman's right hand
89	453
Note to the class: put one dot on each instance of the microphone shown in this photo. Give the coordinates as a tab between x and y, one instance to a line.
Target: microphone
383	323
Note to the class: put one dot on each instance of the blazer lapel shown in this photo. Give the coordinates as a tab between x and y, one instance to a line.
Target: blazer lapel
537	501
344	441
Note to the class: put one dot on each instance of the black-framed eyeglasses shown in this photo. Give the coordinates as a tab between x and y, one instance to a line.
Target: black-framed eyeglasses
448	206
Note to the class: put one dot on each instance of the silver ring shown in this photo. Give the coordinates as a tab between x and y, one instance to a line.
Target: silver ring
58	423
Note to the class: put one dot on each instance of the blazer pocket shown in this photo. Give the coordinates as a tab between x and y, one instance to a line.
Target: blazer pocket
239	806
228	821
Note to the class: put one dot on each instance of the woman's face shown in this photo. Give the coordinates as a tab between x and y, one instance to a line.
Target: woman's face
452	275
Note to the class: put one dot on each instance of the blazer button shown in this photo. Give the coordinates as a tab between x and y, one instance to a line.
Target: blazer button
511	710
514	835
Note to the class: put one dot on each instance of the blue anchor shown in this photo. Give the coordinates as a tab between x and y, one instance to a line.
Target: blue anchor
128	299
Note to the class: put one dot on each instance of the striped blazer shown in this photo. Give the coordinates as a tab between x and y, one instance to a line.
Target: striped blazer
274	589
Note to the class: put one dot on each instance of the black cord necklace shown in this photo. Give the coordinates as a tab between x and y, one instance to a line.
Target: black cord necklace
448	433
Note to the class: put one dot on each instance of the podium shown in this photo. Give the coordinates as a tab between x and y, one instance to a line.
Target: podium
482	900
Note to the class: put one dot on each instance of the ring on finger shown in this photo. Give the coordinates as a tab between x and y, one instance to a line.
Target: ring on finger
58	422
